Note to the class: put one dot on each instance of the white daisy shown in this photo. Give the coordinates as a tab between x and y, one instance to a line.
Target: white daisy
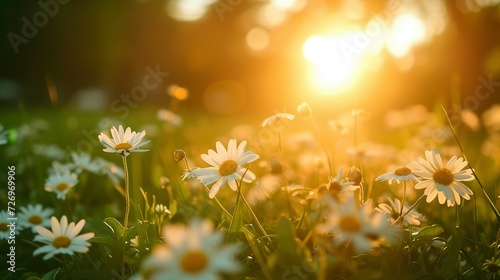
63	239
266	186
83	162
402	173
360	226
60	183
278	120
393	210
192	253
34	215
4	225
123	142
443	180
114	172
338	188
169	117
227	166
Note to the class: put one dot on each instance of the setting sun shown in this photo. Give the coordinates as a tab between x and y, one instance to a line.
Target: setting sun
331	68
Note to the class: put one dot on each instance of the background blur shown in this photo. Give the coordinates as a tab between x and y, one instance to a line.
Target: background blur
242	56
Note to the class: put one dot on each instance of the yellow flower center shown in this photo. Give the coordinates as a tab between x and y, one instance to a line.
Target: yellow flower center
123	146
61	187
61	242
443	176
3	227
350	223
402	171
228	167
35	219
194	261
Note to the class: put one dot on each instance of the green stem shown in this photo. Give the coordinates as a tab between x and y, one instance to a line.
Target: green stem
403	201
235	209
282	159
220	204
127	195
409	209
490	202
259	225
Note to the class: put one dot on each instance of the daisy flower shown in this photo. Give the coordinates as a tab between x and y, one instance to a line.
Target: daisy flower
279	120
34	215
123	142
63	239
441	180
83	162
114	172
4	225
60	183
192	252
338	188
360	226
227	166
393	210
402	173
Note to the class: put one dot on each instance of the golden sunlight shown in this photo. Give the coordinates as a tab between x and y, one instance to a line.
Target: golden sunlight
406	31
331	68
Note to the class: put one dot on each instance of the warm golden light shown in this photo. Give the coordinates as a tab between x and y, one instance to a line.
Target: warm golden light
331	66
406	31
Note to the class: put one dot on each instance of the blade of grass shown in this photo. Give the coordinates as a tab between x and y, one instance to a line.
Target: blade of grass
490	202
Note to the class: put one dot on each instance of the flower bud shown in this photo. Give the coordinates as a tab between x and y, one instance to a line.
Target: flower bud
179	155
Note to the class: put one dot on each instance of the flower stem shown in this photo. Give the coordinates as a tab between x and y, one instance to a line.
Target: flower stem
220	204
127	195
282	159
409	209
403	201
259	225
235	210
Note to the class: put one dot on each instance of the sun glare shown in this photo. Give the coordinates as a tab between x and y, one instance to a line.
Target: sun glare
406	31
330	69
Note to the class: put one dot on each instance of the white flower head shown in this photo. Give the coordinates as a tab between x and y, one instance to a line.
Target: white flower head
393	210
123	142
360	226
83	162
63	239
61	183
278	120
338	188
402	173
193	252
31	216
443	181
227	166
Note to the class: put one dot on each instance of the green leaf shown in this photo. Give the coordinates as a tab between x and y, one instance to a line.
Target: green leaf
259	252
428	232
115	226
104	240
451	255
51	275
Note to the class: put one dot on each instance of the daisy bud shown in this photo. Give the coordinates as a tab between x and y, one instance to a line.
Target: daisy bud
354	175
304	110
179	155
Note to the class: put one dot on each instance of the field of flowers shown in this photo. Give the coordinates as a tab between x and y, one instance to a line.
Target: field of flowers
290	195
